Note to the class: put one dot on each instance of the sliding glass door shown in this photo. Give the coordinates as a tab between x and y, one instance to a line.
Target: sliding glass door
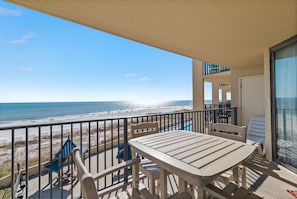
285	103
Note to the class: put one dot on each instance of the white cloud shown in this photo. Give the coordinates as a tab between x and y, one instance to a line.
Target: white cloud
9	12
132	77
128	75
22	68
144	79
24	39
17	41
28	35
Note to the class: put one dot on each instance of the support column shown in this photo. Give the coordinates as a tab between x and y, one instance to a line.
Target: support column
198	85
224	97
198	95
215	93
267	97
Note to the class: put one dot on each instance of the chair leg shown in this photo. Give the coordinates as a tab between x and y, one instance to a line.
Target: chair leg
201	193
152	185
157	188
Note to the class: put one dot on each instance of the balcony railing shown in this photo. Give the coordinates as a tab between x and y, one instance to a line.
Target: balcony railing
35	146
212	68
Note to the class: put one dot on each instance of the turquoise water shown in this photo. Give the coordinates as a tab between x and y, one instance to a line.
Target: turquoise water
33	111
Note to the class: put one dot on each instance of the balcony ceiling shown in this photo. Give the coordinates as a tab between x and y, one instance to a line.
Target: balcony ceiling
231	33
222	77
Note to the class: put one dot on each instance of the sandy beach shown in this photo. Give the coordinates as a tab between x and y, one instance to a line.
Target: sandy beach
33	132
5	135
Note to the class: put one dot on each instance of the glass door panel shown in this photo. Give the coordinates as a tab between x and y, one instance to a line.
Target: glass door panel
285	78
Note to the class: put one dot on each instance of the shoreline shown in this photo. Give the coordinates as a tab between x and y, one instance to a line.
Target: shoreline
95	115
5	135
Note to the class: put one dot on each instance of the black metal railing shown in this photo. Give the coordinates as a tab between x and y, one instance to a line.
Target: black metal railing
221	105
36	148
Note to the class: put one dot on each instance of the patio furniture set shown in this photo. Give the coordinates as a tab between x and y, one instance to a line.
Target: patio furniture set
197	159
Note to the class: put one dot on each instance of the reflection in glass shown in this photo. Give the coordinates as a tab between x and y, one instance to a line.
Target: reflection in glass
286	105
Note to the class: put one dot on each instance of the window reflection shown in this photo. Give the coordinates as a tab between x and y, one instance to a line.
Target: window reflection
286	104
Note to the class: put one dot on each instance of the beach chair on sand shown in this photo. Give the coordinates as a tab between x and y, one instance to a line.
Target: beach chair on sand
121	153
59	161
55	166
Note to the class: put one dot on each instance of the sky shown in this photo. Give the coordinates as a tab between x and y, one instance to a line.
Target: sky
285	76
46	59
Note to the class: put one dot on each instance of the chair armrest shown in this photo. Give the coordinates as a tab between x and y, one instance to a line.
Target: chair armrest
115	168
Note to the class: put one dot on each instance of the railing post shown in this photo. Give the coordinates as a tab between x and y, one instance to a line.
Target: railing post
27	161
234	115
12	165
214	116
126	147
183	121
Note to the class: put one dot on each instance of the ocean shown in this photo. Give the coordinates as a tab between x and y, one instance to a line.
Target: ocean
32	111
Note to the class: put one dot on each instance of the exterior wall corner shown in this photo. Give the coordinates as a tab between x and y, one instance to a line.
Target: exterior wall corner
267	102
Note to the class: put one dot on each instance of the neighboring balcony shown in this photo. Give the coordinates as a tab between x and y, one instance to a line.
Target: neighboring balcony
213	69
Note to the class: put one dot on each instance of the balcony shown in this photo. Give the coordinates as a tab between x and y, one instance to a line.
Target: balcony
32	147
213	69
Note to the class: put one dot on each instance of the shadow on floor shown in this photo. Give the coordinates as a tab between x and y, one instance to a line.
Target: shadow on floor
56	192
264	168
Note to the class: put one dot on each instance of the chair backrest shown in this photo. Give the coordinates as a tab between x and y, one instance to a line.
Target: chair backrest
85	178
256	126
228	131
141	129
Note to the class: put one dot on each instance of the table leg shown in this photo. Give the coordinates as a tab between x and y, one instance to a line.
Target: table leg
163	182
243	177
240	171
236	174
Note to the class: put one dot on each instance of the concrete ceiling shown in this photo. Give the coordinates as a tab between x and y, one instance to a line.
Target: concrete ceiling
232	33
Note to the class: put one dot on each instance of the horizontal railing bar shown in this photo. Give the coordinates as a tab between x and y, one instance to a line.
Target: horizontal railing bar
99	120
